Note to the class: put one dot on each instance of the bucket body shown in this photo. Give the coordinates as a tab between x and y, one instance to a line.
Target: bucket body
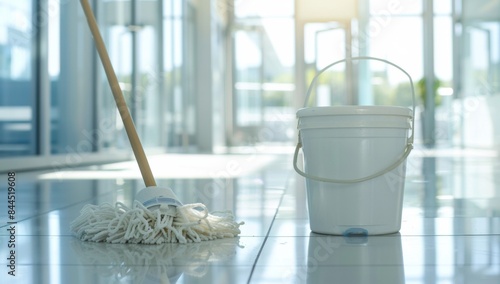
348	143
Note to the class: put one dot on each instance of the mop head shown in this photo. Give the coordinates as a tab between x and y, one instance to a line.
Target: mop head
153	221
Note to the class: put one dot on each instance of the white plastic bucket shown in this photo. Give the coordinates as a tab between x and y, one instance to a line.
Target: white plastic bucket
355	164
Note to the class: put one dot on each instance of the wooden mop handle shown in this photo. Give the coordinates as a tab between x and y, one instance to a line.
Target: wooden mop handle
121	104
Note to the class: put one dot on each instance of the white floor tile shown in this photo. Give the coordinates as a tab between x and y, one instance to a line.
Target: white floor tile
450	231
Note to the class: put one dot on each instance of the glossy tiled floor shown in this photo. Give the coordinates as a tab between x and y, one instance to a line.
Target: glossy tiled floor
450	231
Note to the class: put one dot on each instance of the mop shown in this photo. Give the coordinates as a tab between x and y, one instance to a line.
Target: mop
156	216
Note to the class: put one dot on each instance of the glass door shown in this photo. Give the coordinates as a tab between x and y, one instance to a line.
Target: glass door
478	61
131	31
326	43
263	83
334	85
248	81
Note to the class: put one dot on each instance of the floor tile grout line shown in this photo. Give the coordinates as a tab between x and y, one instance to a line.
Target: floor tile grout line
262	247
268	232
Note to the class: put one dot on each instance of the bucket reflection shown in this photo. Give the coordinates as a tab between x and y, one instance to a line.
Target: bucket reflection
357	259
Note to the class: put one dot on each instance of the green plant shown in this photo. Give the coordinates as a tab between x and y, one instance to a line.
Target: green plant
422	91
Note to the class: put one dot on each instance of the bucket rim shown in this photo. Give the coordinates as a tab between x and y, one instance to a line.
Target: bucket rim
355	110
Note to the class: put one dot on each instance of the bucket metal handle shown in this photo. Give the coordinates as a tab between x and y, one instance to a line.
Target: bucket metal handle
391	167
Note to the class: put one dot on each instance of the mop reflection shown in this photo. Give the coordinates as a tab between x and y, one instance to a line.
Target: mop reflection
164	263
357	259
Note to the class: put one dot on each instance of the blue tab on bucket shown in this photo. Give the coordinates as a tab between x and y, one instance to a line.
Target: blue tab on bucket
355	232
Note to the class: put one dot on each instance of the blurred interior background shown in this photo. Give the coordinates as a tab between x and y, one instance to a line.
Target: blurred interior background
219	76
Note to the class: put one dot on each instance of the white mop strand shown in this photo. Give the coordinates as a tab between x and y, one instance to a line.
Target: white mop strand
139	225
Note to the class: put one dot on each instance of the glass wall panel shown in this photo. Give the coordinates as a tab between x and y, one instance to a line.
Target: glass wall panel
119	44
443	71
248	73
72	88
479	66
324	44
395	32
481	70
54	65
263	8
17	83
115	17
151	44
263	75
400	41
132	32
443	7
148	73
386	8
179	109
443	49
